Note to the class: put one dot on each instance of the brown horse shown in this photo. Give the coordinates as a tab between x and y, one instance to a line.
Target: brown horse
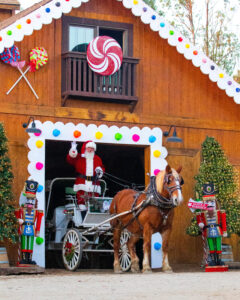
154	215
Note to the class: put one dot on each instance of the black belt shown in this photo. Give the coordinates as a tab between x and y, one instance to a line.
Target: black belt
28	223
211	226
88	178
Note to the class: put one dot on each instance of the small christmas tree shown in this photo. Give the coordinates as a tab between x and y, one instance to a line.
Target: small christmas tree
8	222
216	168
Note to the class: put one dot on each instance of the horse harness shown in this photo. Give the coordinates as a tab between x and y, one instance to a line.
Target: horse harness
155	199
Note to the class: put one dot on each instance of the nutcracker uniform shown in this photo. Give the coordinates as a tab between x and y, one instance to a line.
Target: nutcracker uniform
29	221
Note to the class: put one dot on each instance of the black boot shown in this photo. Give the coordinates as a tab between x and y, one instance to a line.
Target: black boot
212	262
30	261
218	260
24	260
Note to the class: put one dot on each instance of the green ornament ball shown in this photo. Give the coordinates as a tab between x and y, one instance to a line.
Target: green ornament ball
118	136
39	240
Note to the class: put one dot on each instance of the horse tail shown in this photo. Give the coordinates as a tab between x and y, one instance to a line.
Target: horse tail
113	210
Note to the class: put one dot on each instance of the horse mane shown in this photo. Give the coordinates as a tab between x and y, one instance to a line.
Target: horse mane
160	181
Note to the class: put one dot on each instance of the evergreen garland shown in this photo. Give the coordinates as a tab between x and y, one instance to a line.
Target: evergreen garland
8	221
216	168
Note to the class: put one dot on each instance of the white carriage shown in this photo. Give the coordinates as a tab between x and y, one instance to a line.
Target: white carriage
72	233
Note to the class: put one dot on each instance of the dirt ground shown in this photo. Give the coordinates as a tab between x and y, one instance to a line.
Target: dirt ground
59	284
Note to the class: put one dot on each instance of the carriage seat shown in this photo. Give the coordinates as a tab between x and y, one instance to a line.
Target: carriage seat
71	194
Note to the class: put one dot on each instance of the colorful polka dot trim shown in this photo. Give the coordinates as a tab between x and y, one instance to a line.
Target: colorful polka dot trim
47	10
144	9
162	24
171	32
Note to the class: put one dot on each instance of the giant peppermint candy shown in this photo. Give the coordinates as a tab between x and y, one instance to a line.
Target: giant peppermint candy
104	55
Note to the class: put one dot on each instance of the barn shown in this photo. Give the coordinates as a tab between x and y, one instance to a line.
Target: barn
164	82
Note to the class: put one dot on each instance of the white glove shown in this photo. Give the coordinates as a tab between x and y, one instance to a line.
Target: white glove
99	172
73	151
20	221
201	225
225	234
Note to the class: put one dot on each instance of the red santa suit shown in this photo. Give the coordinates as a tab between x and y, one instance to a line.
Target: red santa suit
86	169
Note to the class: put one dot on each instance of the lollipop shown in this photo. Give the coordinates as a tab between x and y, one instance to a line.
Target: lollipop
12	56
38	58
104	55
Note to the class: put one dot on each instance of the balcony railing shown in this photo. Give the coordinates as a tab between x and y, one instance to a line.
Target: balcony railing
79	81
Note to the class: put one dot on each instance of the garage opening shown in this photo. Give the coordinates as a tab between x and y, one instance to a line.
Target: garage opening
124	166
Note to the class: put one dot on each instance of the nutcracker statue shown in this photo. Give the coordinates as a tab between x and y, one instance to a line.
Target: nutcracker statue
212	221
29	218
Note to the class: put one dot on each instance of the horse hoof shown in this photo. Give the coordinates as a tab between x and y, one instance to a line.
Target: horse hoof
118	270
147	271
168	270
135	270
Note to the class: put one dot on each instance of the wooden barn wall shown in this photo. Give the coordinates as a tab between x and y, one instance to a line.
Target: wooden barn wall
170	89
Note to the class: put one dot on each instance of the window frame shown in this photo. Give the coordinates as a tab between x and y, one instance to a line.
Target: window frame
68	21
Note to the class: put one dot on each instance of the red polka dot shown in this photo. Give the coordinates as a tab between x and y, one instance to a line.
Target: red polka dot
0	38
180	39
195	52
28	21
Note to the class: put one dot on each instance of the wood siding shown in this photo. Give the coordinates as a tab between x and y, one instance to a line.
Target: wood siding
170	91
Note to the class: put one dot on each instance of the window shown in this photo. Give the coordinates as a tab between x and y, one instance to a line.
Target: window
78	80
79	32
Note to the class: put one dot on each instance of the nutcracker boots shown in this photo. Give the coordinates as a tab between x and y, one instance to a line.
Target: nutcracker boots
29	259
219	262
24	259
212	261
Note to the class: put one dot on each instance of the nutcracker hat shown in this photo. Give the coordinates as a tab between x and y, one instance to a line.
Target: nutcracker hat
208	191
87	144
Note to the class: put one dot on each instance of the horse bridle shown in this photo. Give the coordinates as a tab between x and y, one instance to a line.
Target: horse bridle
172	188
156	199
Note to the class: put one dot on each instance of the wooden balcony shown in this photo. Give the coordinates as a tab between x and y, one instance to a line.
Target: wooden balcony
80	82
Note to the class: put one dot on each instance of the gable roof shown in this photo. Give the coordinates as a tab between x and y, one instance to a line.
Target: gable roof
10	4
16	27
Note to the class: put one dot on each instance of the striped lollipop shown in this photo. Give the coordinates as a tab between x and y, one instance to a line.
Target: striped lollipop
104	55
38	58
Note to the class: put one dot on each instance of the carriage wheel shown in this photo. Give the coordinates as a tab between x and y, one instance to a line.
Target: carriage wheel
72	249
124	255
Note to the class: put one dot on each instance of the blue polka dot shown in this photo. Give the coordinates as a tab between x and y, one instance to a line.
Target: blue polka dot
157	246
152	139
40	188
154	17
58	4
237	90
144	9
48	10
162	24
212	67
56	132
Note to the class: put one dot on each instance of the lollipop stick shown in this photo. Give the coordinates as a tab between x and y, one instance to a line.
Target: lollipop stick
29	84
8	92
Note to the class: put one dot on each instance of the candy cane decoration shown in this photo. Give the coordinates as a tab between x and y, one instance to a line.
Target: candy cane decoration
205	256
104	55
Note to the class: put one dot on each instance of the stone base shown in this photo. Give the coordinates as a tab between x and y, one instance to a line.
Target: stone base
216	268
234	265
30	269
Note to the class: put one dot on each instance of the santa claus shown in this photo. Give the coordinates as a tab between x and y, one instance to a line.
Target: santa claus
89	169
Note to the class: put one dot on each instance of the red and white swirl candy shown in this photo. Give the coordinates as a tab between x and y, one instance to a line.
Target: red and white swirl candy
104	55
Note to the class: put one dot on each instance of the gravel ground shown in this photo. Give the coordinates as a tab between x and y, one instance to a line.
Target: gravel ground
104	284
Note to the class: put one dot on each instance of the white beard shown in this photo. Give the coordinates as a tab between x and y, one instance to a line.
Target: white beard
89	163
89	155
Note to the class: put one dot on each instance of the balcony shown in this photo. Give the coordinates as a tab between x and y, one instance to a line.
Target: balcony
80	82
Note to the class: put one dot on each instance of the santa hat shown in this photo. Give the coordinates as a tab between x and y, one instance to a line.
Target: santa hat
88	144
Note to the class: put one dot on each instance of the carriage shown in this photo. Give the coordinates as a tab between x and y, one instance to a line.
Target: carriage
75	233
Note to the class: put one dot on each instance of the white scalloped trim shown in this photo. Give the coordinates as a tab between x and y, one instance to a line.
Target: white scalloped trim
49	11
99	134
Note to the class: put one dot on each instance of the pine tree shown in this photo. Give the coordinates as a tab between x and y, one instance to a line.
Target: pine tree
8	222
216	168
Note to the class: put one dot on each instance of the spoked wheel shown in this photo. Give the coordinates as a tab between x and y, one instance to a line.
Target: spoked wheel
124	255
72	249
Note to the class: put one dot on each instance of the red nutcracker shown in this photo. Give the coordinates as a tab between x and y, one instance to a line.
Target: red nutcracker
29	219
213	223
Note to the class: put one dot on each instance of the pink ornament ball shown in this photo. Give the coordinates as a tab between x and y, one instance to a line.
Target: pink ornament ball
38	133
135	137
156	171
39	166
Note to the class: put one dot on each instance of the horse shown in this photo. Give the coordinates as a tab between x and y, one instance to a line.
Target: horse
150	211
